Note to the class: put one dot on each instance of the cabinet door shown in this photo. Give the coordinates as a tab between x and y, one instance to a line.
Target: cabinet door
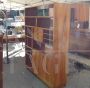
50	69
36	62
46	69
40	66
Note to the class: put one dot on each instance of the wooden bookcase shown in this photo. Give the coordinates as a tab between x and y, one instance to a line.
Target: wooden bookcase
47	36
80	31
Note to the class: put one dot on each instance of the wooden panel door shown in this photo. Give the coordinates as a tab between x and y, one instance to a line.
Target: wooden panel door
50	69
79	35
37	62
46	69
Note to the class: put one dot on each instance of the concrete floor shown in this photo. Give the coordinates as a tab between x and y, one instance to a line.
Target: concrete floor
20	77
17	76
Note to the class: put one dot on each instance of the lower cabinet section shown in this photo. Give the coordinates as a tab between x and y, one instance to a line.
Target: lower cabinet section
49	68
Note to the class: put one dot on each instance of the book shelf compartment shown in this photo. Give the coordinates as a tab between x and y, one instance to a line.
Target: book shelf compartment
29	41
29	32
40	11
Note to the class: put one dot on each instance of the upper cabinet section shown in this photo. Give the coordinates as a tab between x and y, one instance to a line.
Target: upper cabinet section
39	11
31	11
79	16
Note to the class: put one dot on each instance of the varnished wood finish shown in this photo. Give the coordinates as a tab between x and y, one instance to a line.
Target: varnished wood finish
61	39
50	45
80	38
38	17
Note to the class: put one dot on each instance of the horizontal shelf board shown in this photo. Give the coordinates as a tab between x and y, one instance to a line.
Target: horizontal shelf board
51	28
39	17
48	34
28	46
28	36
48	39
48	46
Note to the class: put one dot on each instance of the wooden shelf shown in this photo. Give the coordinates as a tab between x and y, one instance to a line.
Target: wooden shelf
85	30
28	46
48	34
38	17
28	36
51	28
29	26
48	39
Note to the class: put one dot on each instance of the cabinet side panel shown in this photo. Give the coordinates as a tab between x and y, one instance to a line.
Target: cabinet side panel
61	40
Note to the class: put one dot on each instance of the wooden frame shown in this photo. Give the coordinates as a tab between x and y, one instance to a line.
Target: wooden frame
80	32
49	43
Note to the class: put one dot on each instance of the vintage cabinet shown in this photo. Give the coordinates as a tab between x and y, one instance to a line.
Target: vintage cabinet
47	37
80	31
